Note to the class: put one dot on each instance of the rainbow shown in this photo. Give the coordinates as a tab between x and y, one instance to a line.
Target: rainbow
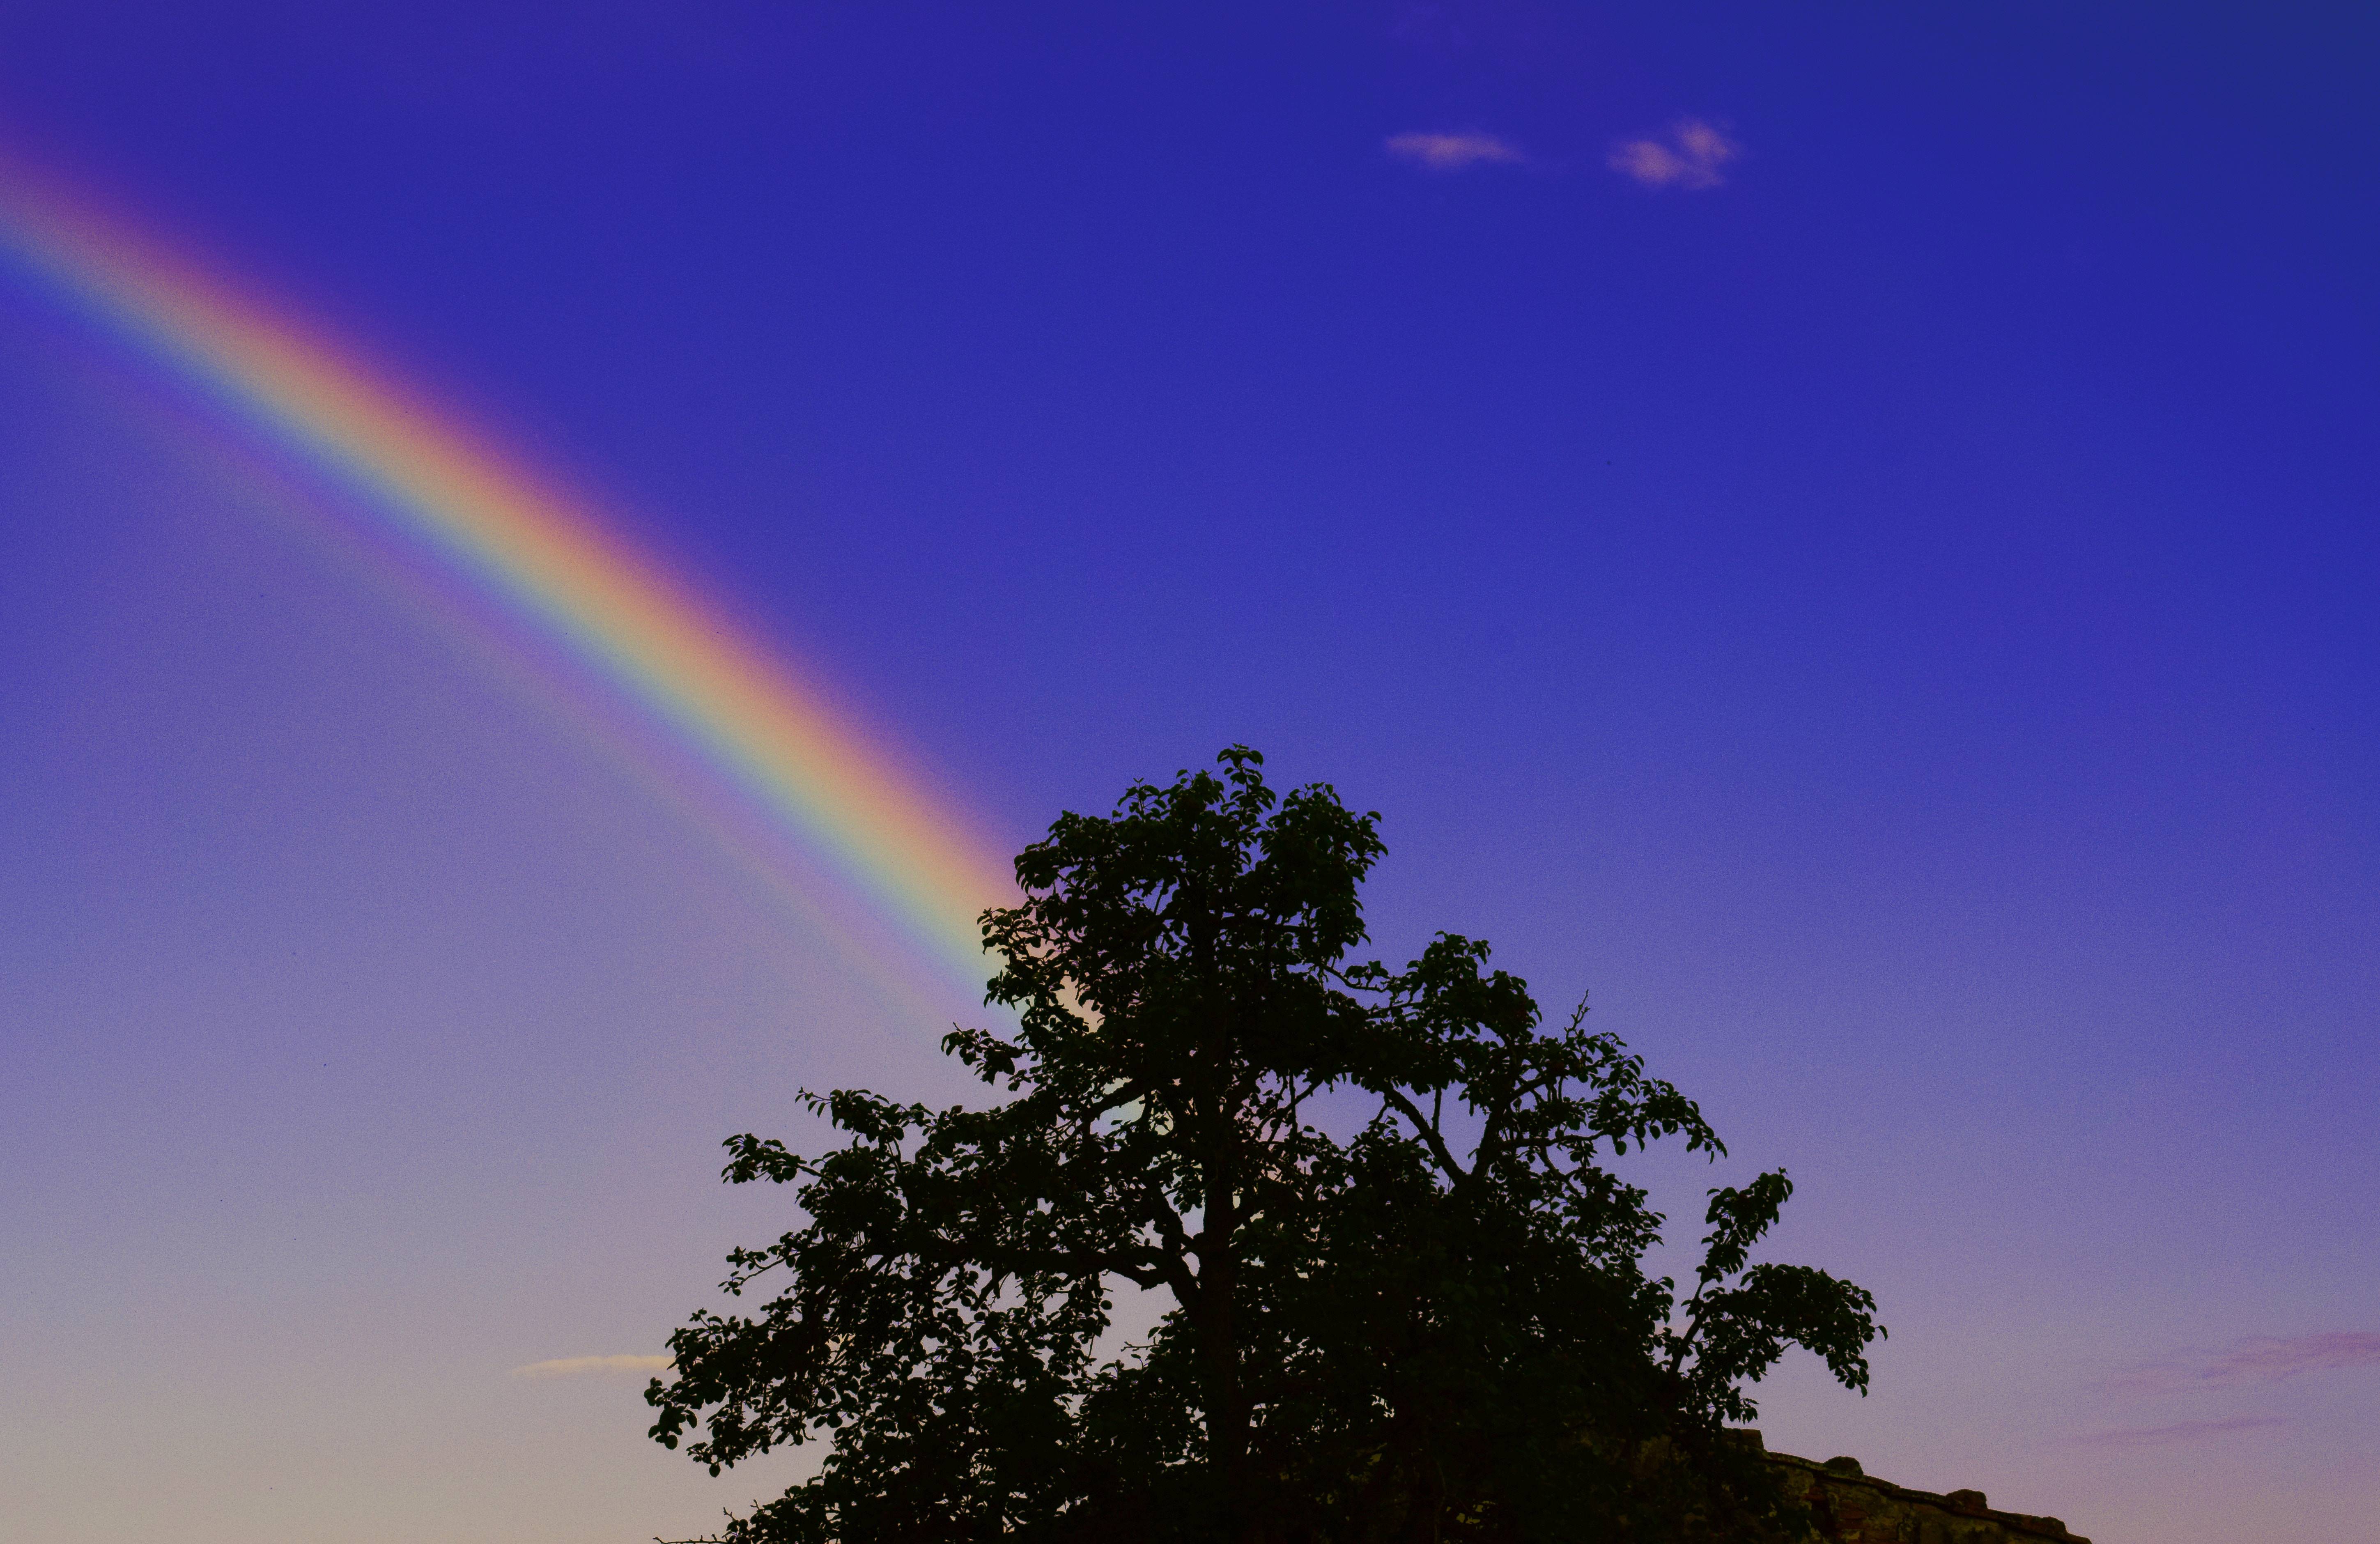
546	562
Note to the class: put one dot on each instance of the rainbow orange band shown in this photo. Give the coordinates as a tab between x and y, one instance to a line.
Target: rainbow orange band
478	515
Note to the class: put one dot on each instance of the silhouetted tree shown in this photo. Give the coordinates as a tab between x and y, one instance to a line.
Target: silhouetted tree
1435	1325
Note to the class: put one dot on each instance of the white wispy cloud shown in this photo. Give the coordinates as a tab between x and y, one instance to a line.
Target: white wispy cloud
2259	1359
1451	153
573	1366
1689	156
2180	1432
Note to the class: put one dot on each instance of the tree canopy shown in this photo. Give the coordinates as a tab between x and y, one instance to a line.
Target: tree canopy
1407	1296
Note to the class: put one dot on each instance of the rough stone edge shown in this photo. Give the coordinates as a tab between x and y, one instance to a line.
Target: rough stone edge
2015	1522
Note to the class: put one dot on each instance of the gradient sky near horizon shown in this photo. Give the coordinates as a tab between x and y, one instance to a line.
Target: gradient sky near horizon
1848	534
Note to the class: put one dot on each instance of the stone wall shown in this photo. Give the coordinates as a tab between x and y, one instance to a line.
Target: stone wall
1849	1507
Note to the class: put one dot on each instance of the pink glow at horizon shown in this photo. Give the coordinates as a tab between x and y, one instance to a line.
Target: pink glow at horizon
1851	538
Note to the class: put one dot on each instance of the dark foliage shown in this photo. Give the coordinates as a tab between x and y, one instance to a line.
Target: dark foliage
1437	1327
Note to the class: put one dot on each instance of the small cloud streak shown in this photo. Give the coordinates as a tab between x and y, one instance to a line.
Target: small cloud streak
2269	1361
2261	1359
573	1366
2180	1432
1691	157
1451	153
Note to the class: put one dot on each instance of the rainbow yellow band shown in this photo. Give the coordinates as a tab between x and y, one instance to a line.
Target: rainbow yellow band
505	534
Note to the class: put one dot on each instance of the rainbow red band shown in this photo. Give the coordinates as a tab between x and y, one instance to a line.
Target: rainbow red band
548	562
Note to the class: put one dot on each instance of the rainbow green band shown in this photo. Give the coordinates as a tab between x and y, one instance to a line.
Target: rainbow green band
546	562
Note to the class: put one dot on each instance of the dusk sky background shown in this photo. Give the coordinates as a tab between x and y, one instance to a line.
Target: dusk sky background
1848	533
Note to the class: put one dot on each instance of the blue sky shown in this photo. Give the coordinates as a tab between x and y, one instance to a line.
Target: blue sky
1848	534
